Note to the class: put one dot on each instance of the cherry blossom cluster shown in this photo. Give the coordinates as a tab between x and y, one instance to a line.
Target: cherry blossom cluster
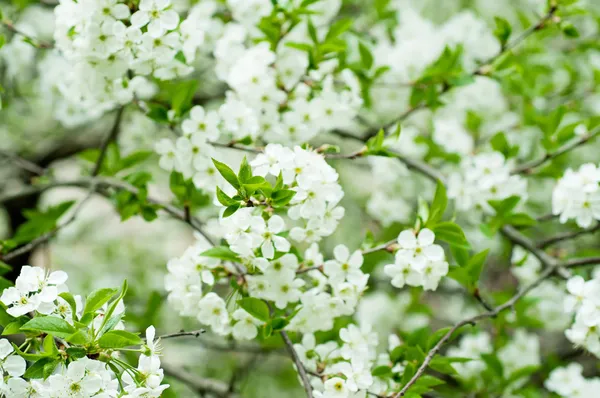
35	290
340	369
315	183
418	261
74	375
266	267
584	302
569	382
484	177
191	153
577	196
275	93
110	51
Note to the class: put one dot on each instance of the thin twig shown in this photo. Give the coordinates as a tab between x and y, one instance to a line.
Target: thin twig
578	262
108	182
299	365
23	163
473	320
528	168
45	237
567	236
182	333
484	69
34	42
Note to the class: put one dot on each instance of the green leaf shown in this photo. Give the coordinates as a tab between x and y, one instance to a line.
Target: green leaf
493	364
279	323
5	318
382	371
451	233
255	307
224	199
282	197
312	32
76	352
97	299
40	222
50	346
520	220
50	325
475	265
366	57
222	252
460	255
79	337
68	297
230	210
436	337
41	369
300	46
119	339
108	318
14	327
227	173
183	95
569	30
504	206
245	172
503	30
438	205
409	372
338	27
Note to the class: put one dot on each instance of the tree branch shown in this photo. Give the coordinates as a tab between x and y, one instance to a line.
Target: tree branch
299	365
567	236
23	163
528	168
473	320
99	183
182	333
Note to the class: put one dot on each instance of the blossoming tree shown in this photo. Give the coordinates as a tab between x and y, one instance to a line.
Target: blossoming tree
381	198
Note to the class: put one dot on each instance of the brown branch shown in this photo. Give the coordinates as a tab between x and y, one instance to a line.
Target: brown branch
473	320
23	163
528	168
299	365
578	262
48	235
182	333
567	236
108	182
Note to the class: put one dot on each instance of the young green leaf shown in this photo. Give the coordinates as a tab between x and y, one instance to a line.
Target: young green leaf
438	205
119	339
227	173
97	299
255	307
50	325
222	252
451	233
